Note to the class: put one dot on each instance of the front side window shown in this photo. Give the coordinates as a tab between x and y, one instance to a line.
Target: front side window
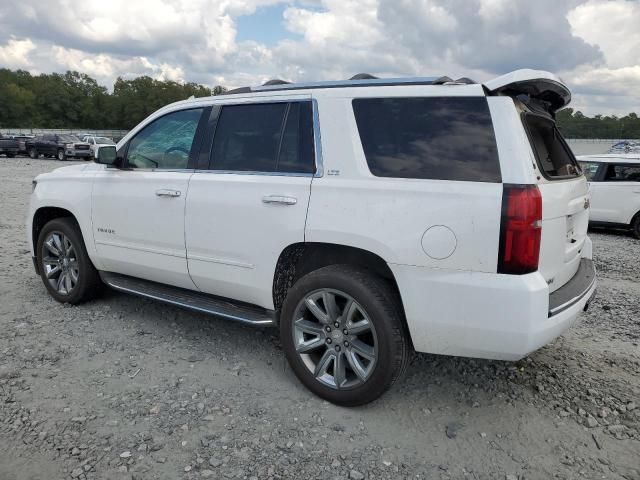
622	173
440	138
166	142
589	169
266	137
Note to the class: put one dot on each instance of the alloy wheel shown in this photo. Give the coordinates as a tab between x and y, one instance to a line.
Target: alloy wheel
60	263
335	338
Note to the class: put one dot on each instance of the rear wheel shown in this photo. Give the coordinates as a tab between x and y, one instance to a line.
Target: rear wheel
33	153
342	332
60	155
65	267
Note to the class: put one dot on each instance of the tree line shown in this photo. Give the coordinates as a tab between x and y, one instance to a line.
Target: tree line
75	100
574	124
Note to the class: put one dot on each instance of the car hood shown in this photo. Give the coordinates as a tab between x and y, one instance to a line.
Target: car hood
69	170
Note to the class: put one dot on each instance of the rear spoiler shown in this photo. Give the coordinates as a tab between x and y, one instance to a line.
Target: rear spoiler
544	88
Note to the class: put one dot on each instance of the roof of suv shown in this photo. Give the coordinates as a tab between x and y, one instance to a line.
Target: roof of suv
611	158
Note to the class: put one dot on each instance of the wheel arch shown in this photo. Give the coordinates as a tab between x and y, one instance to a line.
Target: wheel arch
43	215
298	259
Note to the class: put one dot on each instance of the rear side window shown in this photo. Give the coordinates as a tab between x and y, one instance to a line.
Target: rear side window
440	138
266	137
553	155
622	173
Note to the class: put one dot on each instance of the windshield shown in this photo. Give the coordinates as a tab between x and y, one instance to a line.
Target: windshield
589	169
104	141
68	138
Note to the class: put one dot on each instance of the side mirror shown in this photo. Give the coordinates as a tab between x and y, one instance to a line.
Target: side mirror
106	155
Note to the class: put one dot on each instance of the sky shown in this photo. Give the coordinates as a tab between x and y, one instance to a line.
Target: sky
593	45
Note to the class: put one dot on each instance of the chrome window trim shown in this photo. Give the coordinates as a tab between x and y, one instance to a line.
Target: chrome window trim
251	172
317	140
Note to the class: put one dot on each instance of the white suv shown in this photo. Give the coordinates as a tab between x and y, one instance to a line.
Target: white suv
366	218
615	190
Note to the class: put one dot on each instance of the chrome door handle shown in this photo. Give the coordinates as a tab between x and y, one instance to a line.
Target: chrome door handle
168	193
283	200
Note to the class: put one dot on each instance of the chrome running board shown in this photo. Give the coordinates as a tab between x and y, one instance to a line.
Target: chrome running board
201	302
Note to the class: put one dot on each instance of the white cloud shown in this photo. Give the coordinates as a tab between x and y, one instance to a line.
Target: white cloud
15	54
593	44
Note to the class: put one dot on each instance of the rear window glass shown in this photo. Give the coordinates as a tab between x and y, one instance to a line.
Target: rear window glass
553	155
267	137
440	138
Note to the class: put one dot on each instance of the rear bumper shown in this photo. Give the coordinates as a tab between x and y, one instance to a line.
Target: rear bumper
502	317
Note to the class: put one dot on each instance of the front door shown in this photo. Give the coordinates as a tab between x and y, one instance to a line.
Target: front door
138	211
252	202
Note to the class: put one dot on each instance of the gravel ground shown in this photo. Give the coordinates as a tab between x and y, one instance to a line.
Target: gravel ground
125	388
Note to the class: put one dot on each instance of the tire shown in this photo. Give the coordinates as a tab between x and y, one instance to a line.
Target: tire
87	281
60	155
33	153
307	343
635	225
10	155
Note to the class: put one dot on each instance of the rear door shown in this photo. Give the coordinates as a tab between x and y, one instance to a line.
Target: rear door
564	189
565	200
250	199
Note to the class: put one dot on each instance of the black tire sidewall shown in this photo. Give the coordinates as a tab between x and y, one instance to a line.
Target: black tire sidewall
70	229
635	226
60	155
33	153
379	305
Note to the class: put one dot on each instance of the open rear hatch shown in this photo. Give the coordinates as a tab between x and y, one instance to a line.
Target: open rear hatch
563	187
544	88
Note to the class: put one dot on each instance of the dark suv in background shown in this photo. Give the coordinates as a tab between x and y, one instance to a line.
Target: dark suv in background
59	146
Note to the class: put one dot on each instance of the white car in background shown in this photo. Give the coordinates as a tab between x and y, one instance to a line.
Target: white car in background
96	142
615	190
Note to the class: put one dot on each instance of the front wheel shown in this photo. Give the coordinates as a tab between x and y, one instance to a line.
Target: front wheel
60	155
33	153
342	332
635	225
65	266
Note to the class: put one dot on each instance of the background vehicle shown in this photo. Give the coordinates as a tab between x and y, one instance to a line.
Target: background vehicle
95	142
59	146
365	218
22	142
615	190
8	146
626	146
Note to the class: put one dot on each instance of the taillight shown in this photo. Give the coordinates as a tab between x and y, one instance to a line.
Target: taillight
520	229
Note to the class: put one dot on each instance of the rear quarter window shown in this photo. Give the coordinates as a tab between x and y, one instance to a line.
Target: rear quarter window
439	138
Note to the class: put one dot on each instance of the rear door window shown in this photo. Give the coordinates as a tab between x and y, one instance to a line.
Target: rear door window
440	138
553	155
265	137
622	173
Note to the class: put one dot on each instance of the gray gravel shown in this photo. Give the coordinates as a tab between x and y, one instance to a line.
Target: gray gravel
124	388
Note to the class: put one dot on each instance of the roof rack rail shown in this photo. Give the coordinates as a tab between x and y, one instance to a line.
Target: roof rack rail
363	76
362	80
275	81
